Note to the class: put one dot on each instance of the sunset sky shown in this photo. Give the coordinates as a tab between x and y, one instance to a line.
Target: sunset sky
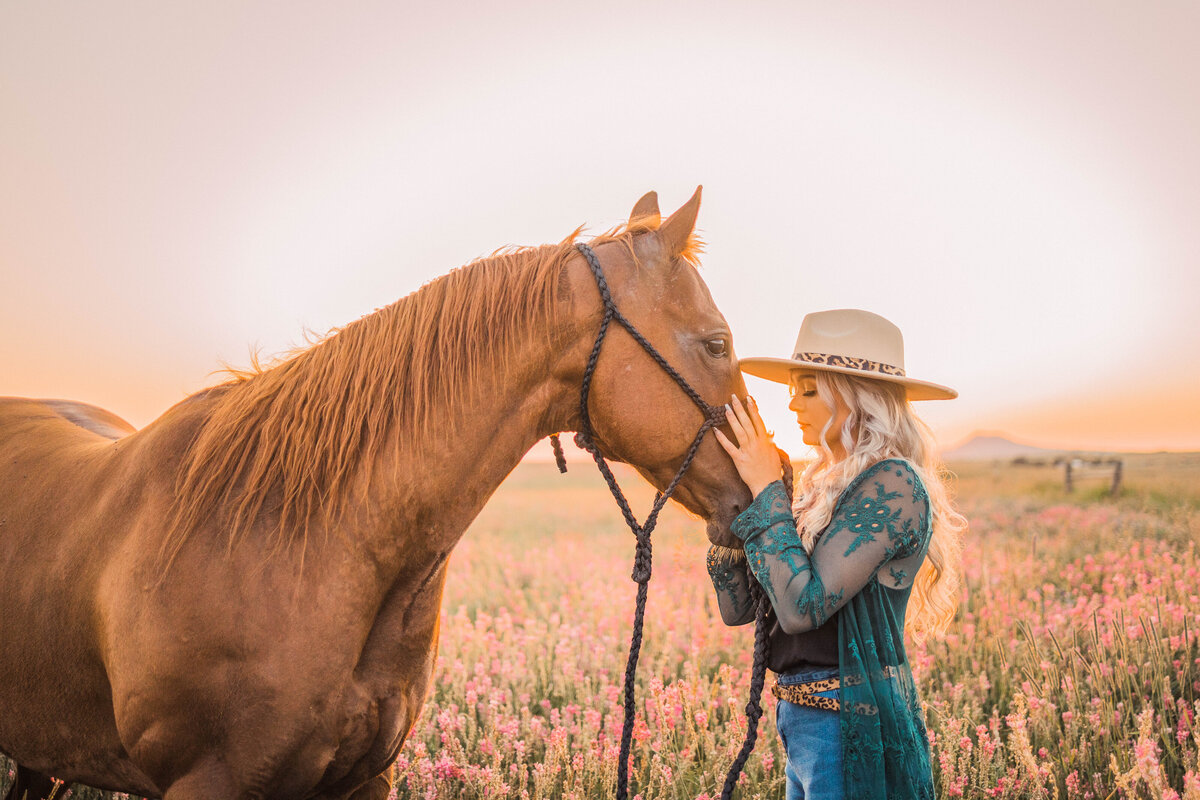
1016	185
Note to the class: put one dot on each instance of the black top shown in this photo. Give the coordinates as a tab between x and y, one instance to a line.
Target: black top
789	651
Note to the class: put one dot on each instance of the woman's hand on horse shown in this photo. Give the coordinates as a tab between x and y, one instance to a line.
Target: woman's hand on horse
754	454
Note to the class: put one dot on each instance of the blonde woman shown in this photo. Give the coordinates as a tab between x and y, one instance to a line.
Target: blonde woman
870	541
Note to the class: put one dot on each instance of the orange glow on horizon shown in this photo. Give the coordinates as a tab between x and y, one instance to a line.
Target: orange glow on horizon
1163	416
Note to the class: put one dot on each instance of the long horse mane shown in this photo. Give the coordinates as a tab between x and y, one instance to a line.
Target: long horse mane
290	437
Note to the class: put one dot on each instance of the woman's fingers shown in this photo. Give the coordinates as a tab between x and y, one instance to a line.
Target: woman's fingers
755	417
735	424
729	446
753	455
739	413
747	422
747	418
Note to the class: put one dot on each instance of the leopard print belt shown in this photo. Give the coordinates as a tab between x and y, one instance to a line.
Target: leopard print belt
805	694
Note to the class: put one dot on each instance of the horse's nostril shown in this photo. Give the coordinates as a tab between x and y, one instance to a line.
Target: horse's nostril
737	509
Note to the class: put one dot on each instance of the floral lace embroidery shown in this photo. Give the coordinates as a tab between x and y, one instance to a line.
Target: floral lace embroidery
866	516
727	568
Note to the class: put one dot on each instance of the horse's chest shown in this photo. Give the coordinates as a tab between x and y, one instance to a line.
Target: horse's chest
384	701
373	730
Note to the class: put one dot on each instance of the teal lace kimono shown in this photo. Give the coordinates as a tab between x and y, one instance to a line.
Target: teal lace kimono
861	570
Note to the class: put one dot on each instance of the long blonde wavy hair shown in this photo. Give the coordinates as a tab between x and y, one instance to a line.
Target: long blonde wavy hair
881	424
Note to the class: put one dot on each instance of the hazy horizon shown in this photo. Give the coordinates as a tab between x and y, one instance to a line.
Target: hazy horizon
543	454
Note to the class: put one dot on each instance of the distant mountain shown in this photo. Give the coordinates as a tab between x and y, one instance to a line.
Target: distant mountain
993	447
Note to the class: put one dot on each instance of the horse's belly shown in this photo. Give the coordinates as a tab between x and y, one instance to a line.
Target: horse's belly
56	711
74	747
58	718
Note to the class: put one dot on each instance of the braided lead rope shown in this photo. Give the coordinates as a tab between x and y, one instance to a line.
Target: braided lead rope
762	651
643	552
713	416
559	457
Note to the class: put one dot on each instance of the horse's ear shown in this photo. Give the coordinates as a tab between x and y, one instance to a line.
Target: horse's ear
677	230
645	215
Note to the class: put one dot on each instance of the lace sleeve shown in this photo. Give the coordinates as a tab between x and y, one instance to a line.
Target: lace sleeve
881	515
731	579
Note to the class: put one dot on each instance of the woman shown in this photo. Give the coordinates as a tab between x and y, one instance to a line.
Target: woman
870	523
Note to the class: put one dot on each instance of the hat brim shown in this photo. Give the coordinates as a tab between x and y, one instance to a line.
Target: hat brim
780	370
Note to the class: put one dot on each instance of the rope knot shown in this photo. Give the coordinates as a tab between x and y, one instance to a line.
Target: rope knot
642	557
584	442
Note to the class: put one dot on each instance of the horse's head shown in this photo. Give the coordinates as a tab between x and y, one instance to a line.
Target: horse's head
640	415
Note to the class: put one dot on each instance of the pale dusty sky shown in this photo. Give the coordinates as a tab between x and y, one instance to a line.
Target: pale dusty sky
1016	186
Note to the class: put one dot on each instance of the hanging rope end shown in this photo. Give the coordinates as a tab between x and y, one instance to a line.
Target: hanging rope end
560	458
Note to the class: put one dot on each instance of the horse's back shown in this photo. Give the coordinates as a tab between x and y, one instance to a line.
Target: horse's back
51	454
24	412
92	418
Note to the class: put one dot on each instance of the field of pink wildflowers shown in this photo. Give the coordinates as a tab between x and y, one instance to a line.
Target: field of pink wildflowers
1072	670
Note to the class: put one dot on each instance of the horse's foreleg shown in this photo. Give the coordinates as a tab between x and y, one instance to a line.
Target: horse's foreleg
33	785
378	788
208	782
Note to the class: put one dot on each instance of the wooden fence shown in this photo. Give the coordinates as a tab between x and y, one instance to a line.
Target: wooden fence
1075	469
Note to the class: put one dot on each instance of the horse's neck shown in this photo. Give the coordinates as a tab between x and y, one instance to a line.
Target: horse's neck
426	491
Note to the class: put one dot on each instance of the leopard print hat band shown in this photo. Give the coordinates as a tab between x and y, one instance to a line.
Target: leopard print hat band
864	364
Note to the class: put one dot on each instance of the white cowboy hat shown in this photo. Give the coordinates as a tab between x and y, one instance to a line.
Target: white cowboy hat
853	342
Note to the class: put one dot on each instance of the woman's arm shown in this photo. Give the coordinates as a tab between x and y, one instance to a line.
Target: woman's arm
731	579
883	514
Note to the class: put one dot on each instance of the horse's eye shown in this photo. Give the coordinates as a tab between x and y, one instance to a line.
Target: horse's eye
717	348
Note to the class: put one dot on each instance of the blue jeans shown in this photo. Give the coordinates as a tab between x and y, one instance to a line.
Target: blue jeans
812	739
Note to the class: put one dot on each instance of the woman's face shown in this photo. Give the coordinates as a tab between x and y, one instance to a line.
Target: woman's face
813	414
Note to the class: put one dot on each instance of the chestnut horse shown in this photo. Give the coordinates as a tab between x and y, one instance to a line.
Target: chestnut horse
241	600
